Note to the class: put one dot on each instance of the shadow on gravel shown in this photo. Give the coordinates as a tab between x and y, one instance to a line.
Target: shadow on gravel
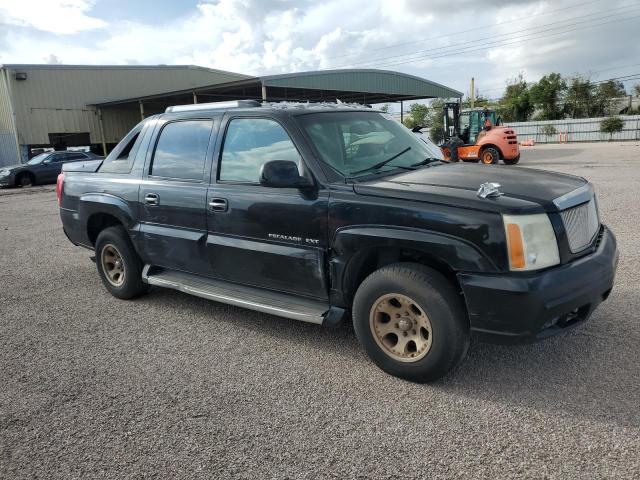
575	373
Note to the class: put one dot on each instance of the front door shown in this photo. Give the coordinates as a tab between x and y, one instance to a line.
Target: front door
173	194
273	238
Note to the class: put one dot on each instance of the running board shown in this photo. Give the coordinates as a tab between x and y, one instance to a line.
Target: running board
283	305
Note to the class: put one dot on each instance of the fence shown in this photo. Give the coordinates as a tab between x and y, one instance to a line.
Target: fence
576	130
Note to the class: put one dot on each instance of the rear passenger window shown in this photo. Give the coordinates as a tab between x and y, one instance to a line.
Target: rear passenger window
182	149
122	162
249	143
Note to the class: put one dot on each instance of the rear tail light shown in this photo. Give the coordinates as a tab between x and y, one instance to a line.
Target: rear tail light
59	185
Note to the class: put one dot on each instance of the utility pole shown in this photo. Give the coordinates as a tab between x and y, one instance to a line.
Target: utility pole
472	93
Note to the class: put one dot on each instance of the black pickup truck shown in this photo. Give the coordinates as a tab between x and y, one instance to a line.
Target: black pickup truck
323	213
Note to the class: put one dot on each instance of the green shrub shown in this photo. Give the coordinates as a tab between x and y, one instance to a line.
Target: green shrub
611	125
548	130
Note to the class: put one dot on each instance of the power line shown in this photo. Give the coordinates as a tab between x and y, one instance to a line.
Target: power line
507	34
480	27
519	19
499	43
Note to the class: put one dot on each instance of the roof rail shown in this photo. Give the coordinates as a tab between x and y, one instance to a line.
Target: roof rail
214	106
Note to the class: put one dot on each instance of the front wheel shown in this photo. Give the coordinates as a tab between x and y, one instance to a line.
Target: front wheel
119	266
411	322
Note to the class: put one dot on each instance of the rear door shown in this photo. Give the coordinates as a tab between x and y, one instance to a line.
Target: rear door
173	194
273	238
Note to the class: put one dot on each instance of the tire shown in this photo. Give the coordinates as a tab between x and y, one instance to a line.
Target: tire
490	156
441	341
25	180
119	266
511	161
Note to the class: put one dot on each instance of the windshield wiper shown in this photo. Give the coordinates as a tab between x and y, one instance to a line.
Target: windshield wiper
382	163
426	161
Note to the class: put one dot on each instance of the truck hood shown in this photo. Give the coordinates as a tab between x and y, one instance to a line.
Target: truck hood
525	190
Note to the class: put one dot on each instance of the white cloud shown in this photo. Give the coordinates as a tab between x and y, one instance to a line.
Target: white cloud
55	16
273	36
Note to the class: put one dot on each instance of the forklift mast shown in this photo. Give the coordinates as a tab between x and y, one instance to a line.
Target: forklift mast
451	114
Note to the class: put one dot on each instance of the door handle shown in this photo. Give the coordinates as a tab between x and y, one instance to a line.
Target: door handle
218	204
152	199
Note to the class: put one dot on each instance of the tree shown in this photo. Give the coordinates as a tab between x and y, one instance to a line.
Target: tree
611	125
385	108
636	89
605	94
580	101
516	105
436	122
418	116
547	95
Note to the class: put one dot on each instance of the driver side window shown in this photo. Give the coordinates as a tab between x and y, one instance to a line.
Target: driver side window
251	142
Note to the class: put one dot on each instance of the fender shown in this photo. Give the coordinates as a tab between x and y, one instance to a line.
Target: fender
92	203
458	254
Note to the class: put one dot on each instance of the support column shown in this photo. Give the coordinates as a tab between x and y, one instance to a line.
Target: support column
264	93
141	109
401	111
104	143
195	97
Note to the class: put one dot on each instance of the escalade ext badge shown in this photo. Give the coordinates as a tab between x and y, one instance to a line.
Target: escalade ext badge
489	189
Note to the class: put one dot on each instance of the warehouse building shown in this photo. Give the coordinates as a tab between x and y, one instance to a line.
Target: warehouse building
72	106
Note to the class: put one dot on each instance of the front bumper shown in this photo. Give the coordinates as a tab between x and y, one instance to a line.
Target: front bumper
8	180
511	308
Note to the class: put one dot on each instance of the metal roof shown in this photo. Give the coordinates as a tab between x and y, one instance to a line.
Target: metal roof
362	80
349	85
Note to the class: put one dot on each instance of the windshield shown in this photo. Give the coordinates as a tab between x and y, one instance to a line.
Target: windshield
38	158
361	143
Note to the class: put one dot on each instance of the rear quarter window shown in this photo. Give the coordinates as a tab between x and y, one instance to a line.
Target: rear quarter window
120	160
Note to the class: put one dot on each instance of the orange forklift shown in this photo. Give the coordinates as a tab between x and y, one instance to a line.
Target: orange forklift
476	135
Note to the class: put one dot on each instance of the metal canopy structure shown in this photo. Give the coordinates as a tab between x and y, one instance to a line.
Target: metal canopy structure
364	86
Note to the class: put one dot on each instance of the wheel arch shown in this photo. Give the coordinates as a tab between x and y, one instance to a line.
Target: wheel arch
484	146
358	252
26	173
102	211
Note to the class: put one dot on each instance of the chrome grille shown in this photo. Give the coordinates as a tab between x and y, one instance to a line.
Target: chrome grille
581	224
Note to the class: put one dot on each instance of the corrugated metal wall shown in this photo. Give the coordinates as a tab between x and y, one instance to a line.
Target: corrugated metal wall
53	99
8	147
577	130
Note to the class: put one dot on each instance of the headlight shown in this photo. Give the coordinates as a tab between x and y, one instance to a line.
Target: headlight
531	242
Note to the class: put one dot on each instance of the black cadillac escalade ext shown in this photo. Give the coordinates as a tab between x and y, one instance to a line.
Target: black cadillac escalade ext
327	212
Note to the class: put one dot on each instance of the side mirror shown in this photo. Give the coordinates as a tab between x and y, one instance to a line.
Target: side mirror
46	161
282	174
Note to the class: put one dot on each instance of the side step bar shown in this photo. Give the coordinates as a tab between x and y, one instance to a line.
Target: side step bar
283	305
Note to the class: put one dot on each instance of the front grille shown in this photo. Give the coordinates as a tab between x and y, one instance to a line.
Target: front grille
581	224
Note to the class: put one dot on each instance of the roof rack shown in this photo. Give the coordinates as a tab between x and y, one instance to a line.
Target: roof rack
214	106
284	105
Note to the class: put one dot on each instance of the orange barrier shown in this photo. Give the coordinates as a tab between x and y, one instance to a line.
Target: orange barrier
527	143
563	137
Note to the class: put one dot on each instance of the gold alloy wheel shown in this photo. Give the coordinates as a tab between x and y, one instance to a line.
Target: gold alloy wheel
112	265
400	327
487	158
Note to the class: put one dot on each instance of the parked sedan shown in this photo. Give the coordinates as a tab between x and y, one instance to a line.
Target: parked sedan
43	168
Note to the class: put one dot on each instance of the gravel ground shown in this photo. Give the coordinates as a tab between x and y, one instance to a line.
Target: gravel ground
175	386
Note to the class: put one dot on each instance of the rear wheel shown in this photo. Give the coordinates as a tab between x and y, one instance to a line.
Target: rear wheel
411	322
511	161
119	266
26	180
490	156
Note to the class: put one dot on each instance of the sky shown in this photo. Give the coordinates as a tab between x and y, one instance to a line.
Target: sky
447	41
